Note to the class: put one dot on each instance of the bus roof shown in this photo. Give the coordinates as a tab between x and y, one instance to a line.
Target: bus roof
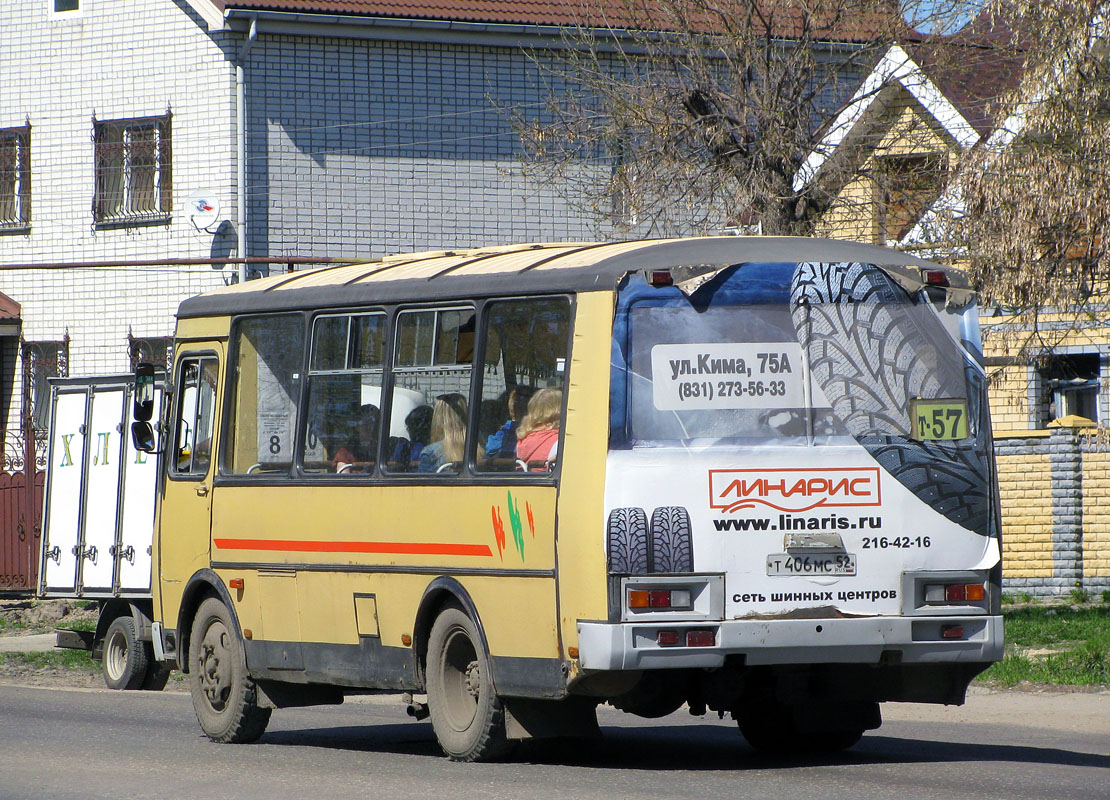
521	268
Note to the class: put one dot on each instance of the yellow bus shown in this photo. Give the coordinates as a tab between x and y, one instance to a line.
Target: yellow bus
749	475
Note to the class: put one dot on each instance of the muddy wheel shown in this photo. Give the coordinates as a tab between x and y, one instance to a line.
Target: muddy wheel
671	547
467	715
125	659
225	698
157	673
627	542
872	350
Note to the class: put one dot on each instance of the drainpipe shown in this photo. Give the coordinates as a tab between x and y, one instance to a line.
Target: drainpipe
241	142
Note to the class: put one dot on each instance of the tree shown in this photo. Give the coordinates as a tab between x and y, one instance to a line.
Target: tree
1031	216
693	115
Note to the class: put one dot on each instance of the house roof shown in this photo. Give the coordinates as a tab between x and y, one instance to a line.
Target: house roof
527	268
954	79
973	80
786	23
10	310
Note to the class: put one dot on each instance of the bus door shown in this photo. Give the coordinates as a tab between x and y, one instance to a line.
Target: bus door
186	501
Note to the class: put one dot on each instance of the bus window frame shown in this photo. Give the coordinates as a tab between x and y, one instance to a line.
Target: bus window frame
492	477
298	471
467	475
386	410
175	415
230	382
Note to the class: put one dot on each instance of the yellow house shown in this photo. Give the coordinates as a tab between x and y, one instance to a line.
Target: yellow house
885	161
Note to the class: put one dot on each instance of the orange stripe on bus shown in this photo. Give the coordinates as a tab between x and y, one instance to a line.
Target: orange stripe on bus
401	548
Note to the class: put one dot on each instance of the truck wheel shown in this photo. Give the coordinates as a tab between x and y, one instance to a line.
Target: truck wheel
225	697
467	716
627	542
125	659
871	356
671	547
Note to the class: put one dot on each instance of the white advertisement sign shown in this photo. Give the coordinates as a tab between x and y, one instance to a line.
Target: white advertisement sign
727	375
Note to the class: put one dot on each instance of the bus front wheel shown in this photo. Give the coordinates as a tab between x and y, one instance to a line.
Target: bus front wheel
225	697
467	715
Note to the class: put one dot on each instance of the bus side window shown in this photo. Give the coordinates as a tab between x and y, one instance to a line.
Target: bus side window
344	394
429	407
524	371
194	424
268	352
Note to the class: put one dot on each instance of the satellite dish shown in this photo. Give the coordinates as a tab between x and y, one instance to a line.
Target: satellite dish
203	209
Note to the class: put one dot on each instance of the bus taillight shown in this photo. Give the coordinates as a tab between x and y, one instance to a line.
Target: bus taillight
955	593
659	599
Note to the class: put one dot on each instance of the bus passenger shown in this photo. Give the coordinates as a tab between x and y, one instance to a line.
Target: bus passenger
538	433
448	434
502	443
362	448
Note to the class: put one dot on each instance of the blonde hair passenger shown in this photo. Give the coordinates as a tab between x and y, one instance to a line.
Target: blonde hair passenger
544	410
449	426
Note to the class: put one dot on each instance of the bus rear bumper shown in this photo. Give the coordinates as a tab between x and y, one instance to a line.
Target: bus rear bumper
869	640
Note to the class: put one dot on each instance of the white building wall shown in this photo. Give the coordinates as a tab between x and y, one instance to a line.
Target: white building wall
115	60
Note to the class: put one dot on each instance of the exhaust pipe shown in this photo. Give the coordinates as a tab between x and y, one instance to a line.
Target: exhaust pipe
417	711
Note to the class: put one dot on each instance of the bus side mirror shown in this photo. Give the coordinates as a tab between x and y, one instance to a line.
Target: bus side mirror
142	437
144	394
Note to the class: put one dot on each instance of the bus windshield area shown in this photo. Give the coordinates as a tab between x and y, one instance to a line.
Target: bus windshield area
793	354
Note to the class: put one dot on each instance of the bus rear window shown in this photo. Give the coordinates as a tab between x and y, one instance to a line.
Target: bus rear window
791	354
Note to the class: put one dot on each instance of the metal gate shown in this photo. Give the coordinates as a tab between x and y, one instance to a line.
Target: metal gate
22	464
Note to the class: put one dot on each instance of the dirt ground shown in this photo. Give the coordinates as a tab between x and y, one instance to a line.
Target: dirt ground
27	617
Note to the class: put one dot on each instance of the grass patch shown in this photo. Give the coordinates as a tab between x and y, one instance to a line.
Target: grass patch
9	625
79	624
54	659
1078	641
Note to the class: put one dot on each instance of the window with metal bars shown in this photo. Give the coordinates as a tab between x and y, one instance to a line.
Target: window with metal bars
132	165
156	350
15	178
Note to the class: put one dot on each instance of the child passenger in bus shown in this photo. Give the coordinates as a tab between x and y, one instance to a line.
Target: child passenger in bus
538	433
406	452
502	443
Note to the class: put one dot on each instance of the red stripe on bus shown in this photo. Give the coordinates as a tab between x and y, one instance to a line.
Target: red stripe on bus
401	548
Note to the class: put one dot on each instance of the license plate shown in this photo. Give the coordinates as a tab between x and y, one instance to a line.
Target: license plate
831	564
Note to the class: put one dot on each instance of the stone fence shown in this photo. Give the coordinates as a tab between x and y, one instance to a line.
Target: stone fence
1055	489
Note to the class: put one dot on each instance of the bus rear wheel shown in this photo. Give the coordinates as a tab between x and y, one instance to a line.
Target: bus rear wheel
467	715
225	697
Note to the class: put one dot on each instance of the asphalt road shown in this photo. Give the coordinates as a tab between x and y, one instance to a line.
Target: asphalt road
73	743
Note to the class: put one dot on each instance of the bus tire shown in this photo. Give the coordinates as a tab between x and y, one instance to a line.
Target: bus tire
157	673
467	716
125	659
671	546
871	357
225	697
627	542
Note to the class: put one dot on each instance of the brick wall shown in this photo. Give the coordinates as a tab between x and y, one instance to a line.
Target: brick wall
58	73
1055	492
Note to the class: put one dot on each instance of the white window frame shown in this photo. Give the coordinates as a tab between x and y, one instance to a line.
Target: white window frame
70	14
